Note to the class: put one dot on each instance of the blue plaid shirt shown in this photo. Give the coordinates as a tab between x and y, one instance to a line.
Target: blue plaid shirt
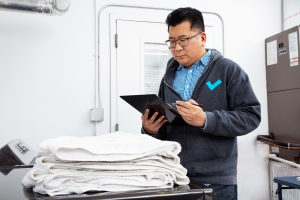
185	79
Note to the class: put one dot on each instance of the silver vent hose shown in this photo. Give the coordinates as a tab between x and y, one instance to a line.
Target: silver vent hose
46	7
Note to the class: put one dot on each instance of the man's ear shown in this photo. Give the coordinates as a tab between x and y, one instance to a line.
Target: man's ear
203	39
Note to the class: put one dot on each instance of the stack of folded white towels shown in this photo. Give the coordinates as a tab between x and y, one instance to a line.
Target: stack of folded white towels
113	162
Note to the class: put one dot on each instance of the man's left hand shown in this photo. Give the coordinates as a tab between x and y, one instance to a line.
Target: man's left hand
193	115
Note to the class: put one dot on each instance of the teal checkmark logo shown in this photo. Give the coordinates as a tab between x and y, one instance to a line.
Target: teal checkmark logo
213	86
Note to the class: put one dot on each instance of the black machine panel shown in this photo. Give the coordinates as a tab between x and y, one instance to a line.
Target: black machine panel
282	76
284	119
283	87
15	153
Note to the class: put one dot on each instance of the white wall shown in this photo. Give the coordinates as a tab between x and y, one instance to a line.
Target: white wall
47	73
291	14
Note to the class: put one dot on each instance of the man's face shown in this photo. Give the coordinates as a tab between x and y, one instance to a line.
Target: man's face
190	54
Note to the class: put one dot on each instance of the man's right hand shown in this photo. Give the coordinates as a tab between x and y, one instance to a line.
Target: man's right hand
149	125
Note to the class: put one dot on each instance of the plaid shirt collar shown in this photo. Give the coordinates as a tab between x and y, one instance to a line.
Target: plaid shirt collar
204	61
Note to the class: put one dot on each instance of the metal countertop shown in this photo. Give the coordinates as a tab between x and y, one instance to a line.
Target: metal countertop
11	188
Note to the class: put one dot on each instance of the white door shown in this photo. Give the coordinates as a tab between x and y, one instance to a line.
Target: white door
138	63
141	60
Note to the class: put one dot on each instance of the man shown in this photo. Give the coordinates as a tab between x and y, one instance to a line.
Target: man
196	75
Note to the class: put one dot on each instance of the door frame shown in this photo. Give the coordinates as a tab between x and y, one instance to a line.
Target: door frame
98	95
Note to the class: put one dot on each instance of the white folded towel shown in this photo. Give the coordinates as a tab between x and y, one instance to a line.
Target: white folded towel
117	146
152	162
112	162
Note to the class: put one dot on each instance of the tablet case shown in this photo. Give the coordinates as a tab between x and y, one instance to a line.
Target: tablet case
155	104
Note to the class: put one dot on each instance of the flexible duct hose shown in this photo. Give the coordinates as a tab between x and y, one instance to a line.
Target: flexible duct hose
46	7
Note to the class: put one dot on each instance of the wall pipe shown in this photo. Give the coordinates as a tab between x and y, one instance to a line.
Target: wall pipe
132	6
274	157
46	7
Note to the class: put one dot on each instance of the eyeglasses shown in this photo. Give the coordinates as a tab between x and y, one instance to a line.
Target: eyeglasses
182	42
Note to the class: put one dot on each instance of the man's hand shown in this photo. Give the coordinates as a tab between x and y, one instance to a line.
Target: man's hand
149	125
193	115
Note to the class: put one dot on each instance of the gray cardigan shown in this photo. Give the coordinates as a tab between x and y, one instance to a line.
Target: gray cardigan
232	109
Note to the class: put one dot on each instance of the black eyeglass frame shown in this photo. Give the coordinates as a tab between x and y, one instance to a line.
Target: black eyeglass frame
181	39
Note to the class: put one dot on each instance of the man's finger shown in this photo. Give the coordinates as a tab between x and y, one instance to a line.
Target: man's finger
182	109
146	115
183	104
191	101
162	123
153	117
183	114
179	103
157	122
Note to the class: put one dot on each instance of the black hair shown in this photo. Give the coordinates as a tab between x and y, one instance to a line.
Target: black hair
191	15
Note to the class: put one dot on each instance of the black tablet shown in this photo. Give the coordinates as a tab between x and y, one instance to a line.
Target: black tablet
154	104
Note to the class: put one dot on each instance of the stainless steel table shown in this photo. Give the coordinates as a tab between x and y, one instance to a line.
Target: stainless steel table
12	189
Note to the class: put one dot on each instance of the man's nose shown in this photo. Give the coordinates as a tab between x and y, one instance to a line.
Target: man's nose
178	47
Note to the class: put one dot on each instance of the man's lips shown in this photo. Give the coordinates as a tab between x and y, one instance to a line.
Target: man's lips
180	56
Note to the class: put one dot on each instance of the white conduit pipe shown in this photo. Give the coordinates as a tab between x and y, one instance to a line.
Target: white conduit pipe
274	157
46	7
